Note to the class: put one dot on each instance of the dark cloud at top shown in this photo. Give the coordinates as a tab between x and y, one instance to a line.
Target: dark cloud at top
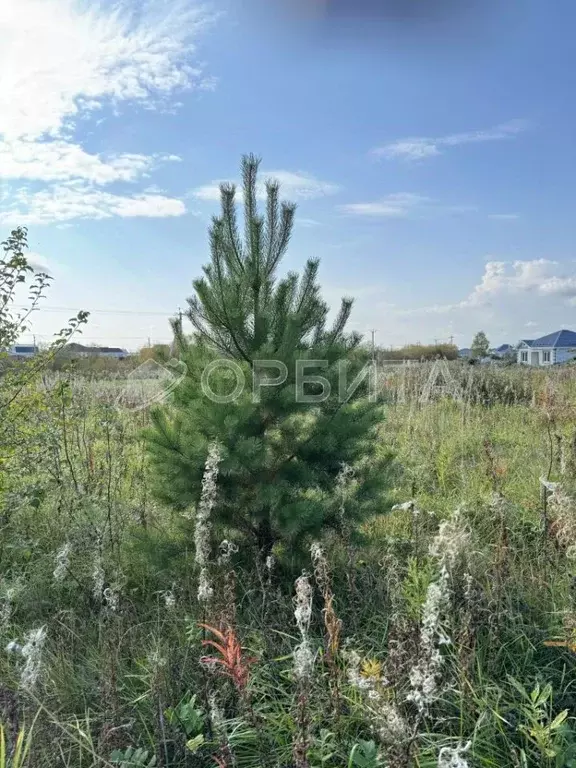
413	11
461	25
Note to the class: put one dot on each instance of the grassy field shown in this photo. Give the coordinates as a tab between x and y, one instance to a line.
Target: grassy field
442	634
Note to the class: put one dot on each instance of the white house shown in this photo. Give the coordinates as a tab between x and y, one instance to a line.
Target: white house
79	350
557	347
23	350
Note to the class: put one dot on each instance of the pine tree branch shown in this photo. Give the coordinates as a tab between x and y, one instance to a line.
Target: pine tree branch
227	324
341	320
287	222
228	195
250	164
272	191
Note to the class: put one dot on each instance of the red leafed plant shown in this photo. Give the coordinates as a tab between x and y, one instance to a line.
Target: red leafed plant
231	660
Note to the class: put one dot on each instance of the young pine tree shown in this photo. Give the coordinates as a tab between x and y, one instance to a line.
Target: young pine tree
284	436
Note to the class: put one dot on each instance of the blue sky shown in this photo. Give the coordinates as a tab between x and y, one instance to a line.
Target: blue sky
432	158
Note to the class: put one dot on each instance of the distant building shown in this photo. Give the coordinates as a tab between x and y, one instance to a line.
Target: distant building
504	350
557	347
74	350
23	350
116	352
79	350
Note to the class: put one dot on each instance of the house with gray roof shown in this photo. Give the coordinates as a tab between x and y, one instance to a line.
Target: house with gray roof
75	350
502	351
557	347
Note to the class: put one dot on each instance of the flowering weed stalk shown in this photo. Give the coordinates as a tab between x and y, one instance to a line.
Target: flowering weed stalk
332	623
62	563
98	575
448	545
226	608
453	758
303	667
203	526
31	652
169	599
344	484
225	758
425	674
7	604
387	721
562	509
451	541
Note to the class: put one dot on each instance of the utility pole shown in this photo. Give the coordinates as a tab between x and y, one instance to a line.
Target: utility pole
174	345
373	332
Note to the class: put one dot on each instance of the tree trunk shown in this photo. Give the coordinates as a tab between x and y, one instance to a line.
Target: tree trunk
265	538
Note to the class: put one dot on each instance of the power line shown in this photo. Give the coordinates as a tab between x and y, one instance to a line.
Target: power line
99	311
88	338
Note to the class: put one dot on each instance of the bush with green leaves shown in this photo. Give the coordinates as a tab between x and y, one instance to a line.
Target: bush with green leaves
16	276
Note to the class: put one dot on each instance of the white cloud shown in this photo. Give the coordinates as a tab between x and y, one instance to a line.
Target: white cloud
397	205
308	223
501	279
536	276
80	201
209	192
419	148
62	61
411	149
559	286
293	186
38	262
504	216
301	186
59	160
402	205
62	58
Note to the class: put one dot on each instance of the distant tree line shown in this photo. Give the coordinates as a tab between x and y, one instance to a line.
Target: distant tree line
419	352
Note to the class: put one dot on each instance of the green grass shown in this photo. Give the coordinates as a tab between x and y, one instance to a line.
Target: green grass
130	678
